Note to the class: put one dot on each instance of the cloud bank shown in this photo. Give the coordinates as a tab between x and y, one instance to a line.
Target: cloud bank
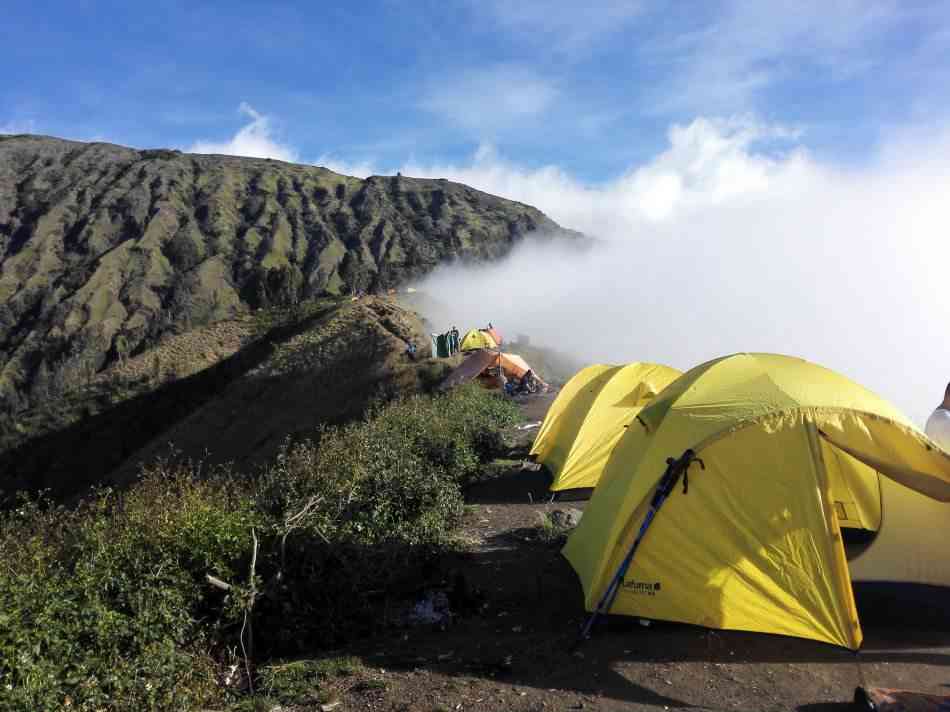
491	98
735	238
18	127
254	140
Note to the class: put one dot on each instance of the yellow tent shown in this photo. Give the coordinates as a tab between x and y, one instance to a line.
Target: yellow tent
792	452
562	421
477	339
589	416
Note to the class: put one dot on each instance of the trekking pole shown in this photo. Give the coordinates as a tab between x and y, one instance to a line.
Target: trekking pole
674	469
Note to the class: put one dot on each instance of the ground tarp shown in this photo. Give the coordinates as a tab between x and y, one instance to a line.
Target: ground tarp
473	365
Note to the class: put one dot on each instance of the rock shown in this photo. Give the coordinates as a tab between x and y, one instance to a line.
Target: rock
432	609
327	707
566	518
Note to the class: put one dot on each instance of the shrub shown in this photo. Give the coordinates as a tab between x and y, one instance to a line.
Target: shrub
384	498
103	605
106	605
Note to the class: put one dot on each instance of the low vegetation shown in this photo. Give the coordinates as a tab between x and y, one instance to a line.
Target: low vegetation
166	595
552	529
284	370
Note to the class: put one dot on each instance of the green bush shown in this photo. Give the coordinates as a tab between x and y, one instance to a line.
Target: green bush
387	497
103	604
106	606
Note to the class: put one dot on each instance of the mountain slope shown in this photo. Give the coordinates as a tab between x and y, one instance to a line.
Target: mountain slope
105	250
257	384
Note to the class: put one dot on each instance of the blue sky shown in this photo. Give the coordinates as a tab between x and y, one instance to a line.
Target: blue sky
770	176
590	87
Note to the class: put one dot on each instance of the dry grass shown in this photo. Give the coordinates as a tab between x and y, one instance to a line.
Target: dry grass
183	355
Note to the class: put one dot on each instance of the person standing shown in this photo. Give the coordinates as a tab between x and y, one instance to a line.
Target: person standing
938	424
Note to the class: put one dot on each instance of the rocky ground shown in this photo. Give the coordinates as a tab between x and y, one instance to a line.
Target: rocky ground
512	651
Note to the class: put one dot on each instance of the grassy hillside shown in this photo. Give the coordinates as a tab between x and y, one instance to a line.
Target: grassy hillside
105	250
231	392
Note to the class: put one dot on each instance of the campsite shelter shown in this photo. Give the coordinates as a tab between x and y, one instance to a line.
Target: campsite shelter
483	365
493	333
477	339
513	366
796	458
590	414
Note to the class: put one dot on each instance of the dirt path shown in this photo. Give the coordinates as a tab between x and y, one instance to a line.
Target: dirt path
510	652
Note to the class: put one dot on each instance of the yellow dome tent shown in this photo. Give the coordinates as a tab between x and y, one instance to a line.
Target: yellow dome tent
565	416
791	453
477	339
589	416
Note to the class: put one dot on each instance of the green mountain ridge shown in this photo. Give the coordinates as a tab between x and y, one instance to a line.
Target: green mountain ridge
231	397
105	250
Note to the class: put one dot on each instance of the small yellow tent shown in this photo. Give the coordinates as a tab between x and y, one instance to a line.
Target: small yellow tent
565	416
477	339
602	404
793	453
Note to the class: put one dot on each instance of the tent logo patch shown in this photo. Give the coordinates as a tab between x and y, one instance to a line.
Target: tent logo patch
643	588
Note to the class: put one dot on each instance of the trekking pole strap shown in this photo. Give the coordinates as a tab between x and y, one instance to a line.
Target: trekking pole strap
674	470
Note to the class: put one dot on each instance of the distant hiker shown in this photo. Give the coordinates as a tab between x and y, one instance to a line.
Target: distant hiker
454	337
527	384
938	424
411	351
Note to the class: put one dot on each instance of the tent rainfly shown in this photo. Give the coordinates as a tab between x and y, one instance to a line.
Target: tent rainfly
478	339
590	414
493	333
796	459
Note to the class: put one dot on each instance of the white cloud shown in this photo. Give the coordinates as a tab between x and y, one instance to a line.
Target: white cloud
254	140
566	25
359	169
722	244
753	45
18	127
706	162
492	98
